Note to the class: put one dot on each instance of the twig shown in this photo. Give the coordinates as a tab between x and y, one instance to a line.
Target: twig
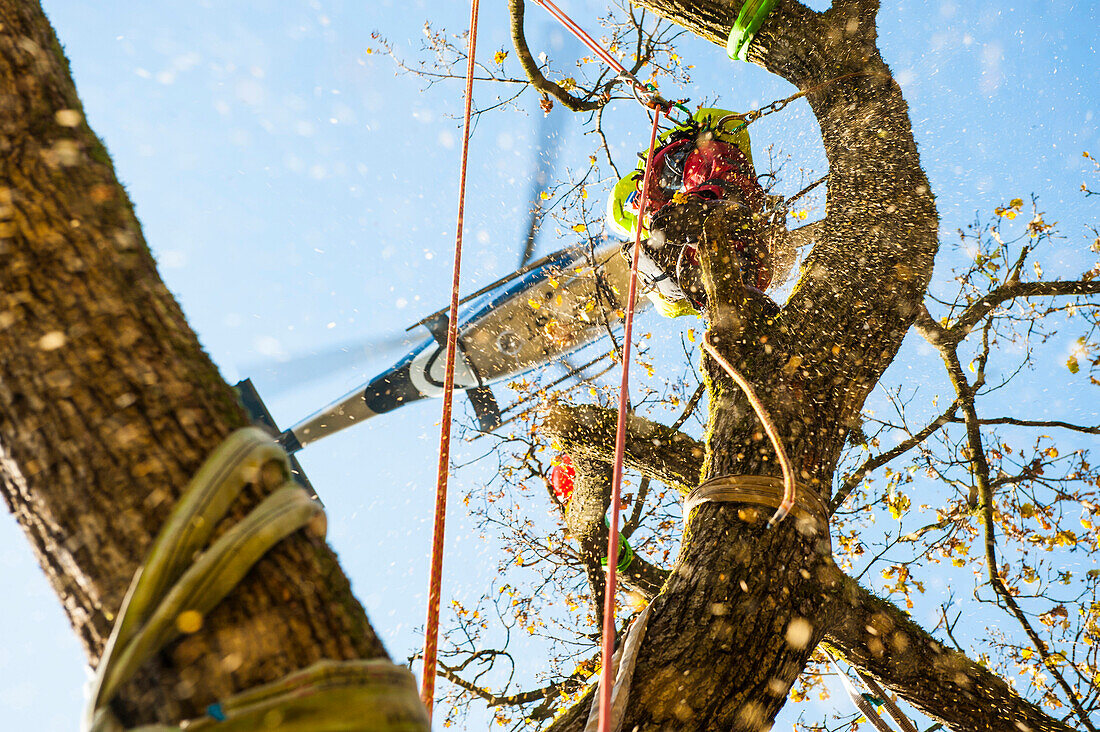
879	460
689	407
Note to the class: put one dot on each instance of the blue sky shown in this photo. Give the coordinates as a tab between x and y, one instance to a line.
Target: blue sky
299	194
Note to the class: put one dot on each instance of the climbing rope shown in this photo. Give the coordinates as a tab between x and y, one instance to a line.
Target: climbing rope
431	627
183	579
608	651
646	94
789	490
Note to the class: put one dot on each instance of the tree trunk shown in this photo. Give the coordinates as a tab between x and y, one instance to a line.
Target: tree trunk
745	606
108	405
867	631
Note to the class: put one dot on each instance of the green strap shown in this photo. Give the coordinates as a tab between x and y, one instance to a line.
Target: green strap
626	552
176	579
744	29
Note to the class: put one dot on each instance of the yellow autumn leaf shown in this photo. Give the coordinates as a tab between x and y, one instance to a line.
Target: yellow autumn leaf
1016	203
544	195
579	228
535	304
499	56
691	334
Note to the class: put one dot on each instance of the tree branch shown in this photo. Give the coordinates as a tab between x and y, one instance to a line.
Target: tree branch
652	449
1037	423
499	700
631	524
531	67
979	468
982	307
879	460
878	638
870	633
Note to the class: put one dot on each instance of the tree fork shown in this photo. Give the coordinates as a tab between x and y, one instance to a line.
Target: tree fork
867	631
108	405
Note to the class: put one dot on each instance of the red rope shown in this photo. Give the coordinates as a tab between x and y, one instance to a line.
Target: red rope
606	678
602	53
583	36
431	630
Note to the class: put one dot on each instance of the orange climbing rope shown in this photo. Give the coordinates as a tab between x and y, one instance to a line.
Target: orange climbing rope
789	490
646	94
602	53
431	630
606	678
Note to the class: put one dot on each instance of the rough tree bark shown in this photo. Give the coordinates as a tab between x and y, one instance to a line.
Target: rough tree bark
743	607
869	632
108	405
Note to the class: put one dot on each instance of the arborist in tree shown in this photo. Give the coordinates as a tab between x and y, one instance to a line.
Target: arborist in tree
701	169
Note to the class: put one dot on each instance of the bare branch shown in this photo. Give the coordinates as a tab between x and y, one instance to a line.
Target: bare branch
499	700
631	524
1037	423
879	460
978	310
689	408
531	67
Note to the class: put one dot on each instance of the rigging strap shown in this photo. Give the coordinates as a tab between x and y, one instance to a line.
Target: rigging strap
752	16
186	575
760	490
